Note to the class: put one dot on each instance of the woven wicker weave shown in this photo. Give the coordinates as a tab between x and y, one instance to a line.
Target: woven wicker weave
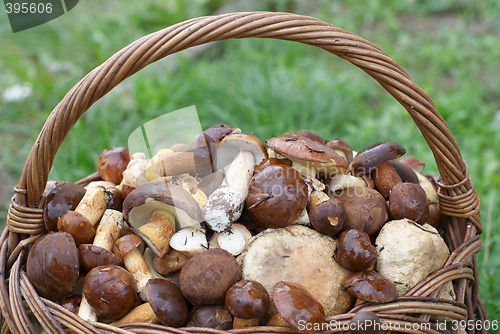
458	199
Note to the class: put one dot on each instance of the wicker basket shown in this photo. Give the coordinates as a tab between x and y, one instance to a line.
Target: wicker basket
458	199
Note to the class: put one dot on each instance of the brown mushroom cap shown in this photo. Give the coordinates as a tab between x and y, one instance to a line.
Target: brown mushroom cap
110	290
385	178
205	154
63	198
167	302
112	163
365	322
143	201
277	196
339	144
218	132
53	267
355	251
272	161
302	149
413	162
91	256
78	226
233	143
372	156
405	173
366	209
307	134
126	244
206	277
210	316
172	262
298	307
408	200
371	286
247	299
328	217
71	303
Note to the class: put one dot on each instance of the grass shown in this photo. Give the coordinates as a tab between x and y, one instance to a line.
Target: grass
267	87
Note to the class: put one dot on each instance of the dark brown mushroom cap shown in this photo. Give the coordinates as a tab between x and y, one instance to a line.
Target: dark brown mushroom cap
298	307
307	134
110	290
328	217
52	266
167	302
305	149
205	154
143	201
210	316
405	173
408	200
63	198
206	277
435	218
366	209
339	144
78	226
365	322
372	156
247	299
385	178
126	244
112	163
91	256
371	286
413	162
218	132
355	251
71	303
277	196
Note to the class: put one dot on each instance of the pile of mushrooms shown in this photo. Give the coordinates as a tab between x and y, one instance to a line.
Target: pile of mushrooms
232	232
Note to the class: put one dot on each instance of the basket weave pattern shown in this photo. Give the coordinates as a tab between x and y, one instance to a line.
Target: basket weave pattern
458	199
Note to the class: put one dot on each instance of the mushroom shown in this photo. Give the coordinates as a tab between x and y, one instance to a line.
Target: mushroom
413	162
408	200
93	203
371	157
71	303
298	307
307	134
371	286
78	226
134	262
234	240
63	198
408	253
247	301
385	178
340	145
241	152
110	291
210	316
301	255
141	202
190	241
218	132
327	215
309	157
277	196
366	209
435	218
135	174
206	277
166	305
52	266
112	163
172	262
355	251
341	182
405	173
426	184
365	322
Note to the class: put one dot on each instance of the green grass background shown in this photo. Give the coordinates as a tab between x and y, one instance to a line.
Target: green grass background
450	48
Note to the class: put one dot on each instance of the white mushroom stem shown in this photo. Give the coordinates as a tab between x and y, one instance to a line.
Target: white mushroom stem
142	313
108	229
93	204
85	311
158	231
137	266
225	204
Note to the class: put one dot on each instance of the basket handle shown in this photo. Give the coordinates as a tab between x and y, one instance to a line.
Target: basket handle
454	180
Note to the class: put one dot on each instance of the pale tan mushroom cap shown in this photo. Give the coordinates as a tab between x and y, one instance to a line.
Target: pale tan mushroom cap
233	143
301	255
301	149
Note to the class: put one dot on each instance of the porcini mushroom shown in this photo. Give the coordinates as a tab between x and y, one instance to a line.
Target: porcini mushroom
190	241
327	215
78	226
371	286
234	240
369	158
206	277
63	198
93	204
355	251
210	316
342	146
112	163
277	196
408	200
218	132
308	156
298	307
172	262
247	301
52	266
241	152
